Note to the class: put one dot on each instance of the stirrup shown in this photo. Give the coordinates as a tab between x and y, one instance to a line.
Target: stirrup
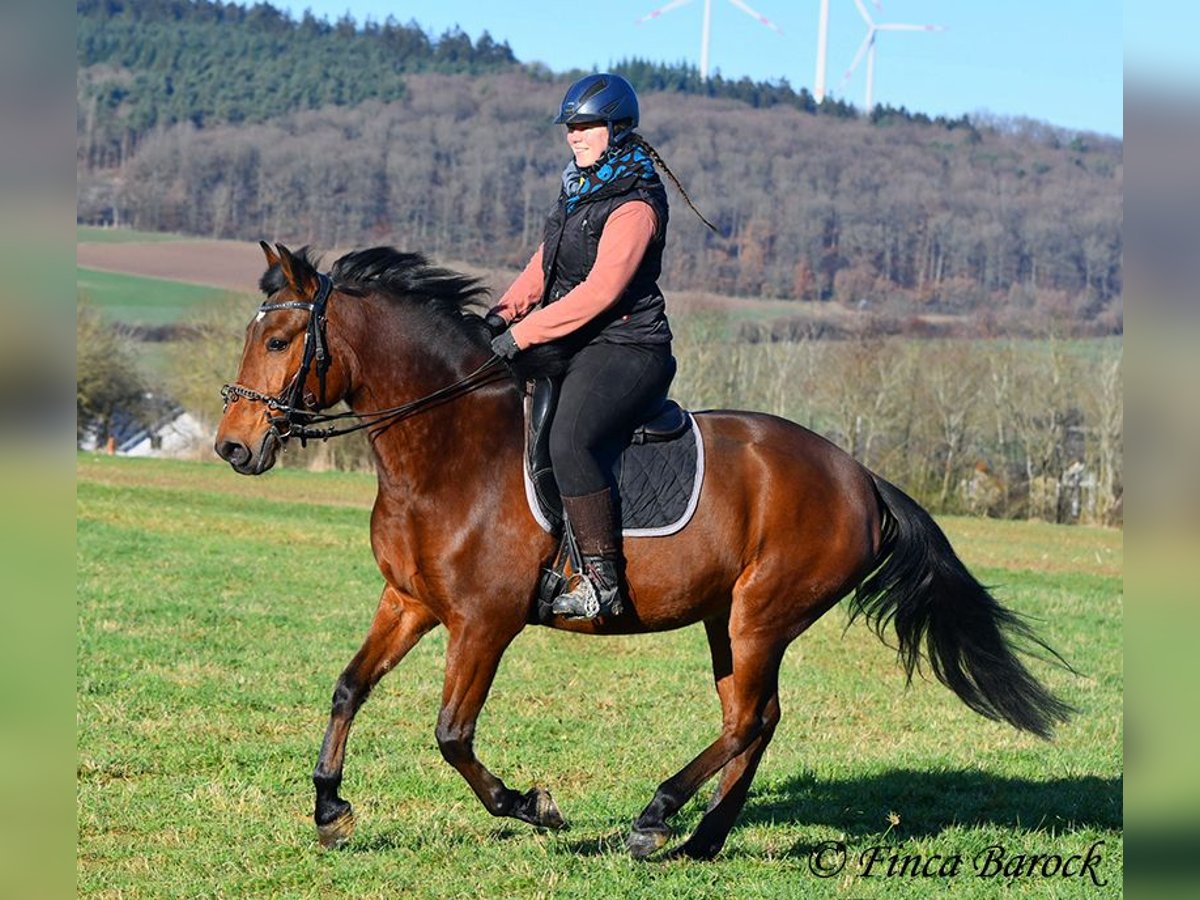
584	600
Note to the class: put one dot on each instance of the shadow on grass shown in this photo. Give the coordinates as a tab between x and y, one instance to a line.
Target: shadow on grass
405	839
605	845
931	802
927	803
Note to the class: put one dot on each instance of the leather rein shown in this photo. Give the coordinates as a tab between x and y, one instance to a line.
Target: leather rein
298	412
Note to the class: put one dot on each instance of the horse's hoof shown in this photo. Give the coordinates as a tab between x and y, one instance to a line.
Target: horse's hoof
642	842
334	834
545	810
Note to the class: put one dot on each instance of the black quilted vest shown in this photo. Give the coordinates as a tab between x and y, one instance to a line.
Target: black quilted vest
569	252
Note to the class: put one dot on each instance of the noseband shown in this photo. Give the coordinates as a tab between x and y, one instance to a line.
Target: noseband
298	413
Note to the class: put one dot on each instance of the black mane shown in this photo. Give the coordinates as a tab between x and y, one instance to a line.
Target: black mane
455	299
390	271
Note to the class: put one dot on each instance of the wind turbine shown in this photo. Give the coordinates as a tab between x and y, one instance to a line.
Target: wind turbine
707	29
822	46
868	46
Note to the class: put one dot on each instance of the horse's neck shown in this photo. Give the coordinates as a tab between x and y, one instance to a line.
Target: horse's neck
448	446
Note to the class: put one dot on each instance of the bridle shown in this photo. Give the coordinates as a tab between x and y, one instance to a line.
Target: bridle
298	413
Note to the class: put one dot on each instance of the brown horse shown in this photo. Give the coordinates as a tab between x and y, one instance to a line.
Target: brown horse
786	526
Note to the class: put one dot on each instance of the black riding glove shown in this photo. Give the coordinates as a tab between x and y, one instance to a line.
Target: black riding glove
496	324
505	346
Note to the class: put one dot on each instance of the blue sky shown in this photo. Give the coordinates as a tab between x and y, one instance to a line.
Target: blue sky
1056	60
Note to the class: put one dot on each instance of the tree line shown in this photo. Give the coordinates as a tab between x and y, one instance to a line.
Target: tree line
903	217
253	125
1029	429
145	64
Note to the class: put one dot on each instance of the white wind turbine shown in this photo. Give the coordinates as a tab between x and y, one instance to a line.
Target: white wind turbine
822	46
868	46
707	29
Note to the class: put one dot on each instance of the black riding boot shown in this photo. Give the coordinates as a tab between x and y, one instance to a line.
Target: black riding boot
596	591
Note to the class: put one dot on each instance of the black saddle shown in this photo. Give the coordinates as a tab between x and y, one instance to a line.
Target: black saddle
669	423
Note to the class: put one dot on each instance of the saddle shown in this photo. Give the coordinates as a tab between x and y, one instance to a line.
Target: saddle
658	476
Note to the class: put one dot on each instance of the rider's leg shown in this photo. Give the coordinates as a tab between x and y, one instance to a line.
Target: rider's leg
606	391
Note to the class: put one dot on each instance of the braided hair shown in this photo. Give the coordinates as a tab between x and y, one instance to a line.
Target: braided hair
640	141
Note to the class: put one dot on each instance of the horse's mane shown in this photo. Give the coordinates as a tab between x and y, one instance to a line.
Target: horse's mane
456	300
388	270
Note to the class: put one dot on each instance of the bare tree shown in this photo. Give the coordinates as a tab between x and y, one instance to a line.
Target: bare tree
107	380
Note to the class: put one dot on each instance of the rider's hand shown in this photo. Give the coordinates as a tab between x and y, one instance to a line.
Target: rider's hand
505	346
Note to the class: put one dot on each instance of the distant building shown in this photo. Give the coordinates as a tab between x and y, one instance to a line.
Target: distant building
163	429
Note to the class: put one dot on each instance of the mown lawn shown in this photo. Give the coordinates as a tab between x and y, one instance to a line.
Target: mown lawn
215	612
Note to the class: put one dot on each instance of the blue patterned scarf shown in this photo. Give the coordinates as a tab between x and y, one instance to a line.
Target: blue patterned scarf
627	163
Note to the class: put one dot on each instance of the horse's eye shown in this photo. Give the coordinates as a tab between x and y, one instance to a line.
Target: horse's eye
277	343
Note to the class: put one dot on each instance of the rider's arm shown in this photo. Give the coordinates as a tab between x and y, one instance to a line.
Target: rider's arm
627	234
522	293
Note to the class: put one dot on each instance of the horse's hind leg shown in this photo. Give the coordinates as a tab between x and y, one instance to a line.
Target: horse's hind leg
730	796
749	698
399	623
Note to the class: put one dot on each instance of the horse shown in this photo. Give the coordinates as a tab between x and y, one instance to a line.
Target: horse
787	525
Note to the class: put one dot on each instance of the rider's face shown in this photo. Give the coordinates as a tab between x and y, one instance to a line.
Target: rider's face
587	142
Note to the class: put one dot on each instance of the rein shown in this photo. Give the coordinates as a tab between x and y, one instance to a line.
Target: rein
296	416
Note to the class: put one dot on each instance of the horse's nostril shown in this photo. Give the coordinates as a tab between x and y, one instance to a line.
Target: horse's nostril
233	452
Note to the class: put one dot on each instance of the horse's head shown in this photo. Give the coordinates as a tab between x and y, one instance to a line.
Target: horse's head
287	371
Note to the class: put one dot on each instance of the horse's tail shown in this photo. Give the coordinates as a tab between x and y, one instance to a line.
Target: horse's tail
923	587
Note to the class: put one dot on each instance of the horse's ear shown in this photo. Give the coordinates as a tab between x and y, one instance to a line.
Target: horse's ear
269	252
299	278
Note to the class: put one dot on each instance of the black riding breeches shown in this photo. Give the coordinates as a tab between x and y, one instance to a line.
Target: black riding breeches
607	391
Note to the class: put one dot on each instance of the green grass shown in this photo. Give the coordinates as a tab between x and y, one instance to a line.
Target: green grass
137	300
215	612
93	235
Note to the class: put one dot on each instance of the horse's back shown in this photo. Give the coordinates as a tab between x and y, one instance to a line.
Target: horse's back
804	502
782	452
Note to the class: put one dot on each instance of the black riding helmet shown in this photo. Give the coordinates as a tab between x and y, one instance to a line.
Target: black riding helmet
601	98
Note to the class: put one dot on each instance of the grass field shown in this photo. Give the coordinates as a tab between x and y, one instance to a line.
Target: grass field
93	235
215	612
137	300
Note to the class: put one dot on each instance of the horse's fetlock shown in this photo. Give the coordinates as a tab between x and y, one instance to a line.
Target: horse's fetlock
505	802
454	743
348	696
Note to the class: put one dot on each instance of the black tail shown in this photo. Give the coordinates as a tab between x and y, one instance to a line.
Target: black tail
924	588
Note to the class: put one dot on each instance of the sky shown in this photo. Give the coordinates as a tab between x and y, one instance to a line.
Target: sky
1060	61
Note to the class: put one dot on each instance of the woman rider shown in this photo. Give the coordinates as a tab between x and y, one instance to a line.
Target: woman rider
592	288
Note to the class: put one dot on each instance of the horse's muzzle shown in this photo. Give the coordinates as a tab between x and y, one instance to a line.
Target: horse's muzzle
245	461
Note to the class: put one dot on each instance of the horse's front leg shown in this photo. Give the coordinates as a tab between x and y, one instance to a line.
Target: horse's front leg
472	658
399	623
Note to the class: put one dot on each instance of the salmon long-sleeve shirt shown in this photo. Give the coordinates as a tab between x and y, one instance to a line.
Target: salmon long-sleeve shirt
627	233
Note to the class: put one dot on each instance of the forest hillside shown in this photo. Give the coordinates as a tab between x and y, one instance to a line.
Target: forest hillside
220	120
